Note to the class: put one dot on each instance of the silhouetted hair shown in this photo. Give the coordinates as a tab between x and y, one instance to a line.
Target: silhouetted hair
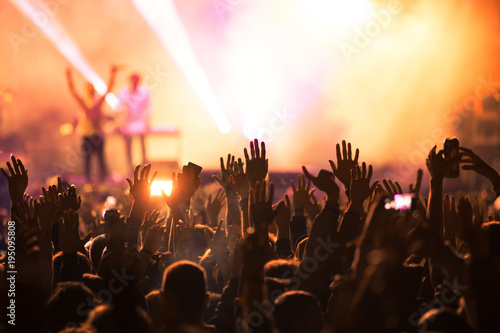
443	321
184	285
298	311
69	305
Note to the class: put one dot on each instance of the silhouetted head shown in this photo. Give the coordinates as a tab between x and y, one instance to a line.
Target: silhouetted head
89	91
134	80
280	268
69	305
443	321
184	291
298	311
106	319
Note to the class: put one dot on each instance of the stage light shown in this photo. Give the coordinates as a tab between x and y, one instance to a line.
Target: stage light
66	129
158	185
340	13
164	20
56	34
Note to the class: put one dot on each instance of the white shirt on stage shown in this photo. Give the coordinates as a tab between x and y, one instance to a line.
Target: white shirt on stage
136	110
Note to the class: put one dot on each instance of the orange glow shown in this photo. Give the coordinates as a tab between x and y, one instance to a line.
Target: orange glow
158	185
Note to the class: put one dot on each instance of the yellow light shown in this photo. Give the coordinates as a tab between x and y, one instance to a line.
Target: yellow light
8	97
66	129
158	185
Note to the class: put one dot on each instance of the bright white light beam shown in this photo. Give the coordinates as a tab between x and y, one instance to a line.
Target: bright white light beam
56	34
164	20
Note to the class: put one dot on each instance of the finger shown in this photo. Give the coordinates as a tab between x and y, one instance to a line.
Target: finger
263	150
287	201
308	175
257	149
349	151
143	172
14	163
245	152
420	174
300	182
339	155
308	185
370	172
153	178
386	185
219	180
400	191
222	165
148	170
311	192
136	173
21	167
363	172
374	186
393	187
129	183
356	156
12	173
334	167
344	150
271	192
293	186
252	150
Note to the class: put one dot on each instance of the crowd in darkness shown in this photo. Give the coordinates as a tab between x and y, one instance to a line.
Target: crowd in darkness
250	262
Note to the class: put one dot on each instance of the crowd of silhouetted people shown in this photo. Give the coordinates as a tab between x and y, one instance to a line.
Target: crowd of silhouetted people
243	260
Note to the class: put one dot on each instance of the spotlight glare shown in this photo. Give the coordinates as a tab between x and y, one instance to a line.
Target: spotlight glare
158	185
56	34
164	20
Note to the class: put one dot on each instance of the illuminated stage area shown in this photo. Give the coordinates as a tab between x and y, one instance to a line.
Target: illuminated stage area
392	77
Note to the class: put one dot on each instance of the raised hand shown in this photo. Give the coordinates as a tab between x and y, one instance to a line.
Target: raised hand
301	194
325	181
69	200
218	243
153	238
17	180
261	208
70	241
183	237
391	187
437	165
140	188
312	208
345	163
150	219
415	189
226	171
214	206
239	180
26	214
473	162
184	186
360	188
257	165
46	210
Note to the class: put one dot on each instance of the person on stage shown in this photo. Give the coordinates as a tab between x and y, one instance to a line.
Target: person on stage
136	110
90	123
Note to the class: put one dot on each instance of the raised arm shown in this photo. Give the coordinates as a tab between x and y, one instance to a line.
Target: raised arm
111	83
71	86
